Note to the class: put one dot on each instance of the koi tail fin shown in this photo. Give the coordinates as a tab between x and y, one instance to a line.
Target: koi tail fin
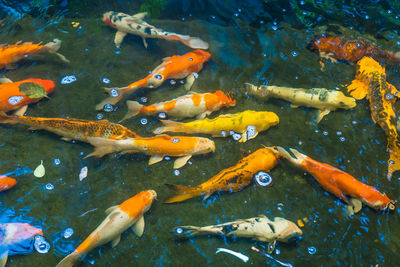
296	159
53	46
192	42
69	261
182	193
102	146
134	108
116	94
262	91
169	126
4	118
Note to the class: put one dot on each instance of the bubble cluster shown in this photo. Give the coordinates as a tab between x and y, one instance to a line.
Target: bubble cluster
114	93
68	233
41	245
68	79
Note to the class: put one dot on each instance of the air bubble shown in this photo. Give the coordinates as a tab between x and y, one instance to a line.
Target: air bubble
143	99
366	17
195	75
342	139
179	230
68	233
312	250
56	162
389	96
99	116
251	131
68	79
280	206
325	133
274	28
167	158
49	186
114	93
108	108
173	82
277	251
236	136
294	53
354	122
106	80
223	133
339	133
263	178
41	245
175	140
143	121
15	100
162	115
177	172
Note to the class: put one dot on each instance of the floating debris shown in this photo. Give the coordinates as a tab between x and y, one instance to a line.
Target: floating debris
236	254
39	171
83	173
263	178
41	245
68	79
68	233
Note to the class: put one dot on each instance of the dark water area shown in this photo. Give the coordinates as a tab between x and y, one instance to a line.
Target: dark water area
261	42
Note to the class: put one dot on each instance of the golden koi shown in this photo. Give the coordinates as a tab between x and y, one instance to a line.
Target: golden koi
119	218
157	147
72	129
247	124
175	67
371	82
10	54
232	179
185	106
136	25
320	98
339	182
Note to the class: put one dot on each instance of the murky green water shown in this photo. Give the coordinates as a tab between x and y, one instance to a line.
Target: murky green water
243	50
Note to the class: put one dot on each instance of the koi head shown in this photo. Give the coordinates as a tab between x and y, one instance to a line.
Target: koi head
345	102
382	202
285	229
323	43
7	183
17	232
147	198
200	56
107	18
203	146
225	100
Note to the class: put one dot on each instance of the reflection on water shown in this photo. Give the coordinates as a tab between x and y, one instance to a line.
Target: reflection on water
258	42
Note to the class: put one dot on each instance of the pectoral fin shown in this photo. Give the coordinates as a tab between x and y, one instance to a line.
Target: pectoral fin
141	15
111	209
119	37
189	81
155	159
66	139
3	258
321	114
203	115
115	241
138	227
144	42
5	80
21	111
180	162
294	106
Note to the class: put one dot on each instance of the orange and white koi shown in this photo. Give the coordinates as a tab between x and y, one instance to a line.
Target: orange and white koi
339	183
232	179
119	219
10	54
175	67
72	129
371	82
157	147
186	106
6	183
136	25
18	95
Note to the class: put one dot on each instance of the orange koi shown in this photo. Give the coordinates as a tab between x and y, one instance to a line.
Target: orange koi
17	95
337	48
10	54
339	183
119	218
175	67
6	183
371	82
186	106
72	129
157	147
232	179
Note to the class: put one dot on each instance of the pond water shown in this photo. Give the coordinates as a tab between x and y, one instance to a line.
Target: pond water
262	42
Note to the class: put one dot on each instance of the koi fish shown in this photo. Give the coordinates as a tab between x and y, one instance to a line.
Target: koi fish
183	147
10	54
232	179
72	129
258	229
18	95
339	183
136	25
246	125
320	98
371	82
185	106
175	67
337	48
119	218
14	234
6	183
